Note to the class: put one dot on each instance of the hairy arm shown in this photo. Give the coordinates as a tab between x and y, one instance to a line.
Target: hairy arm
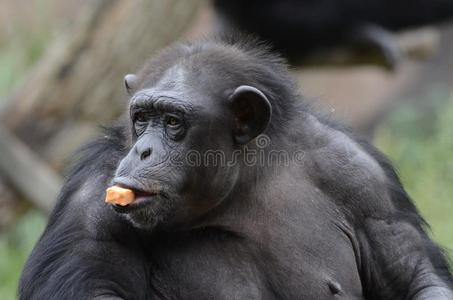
399	260
65	264
86	251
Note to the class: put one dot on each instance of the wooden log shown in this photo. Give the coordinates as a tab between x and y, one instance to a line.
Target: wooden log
27	172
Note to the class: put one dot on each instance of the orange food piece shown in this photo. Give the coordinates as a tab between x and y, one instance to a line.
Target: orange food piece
120	196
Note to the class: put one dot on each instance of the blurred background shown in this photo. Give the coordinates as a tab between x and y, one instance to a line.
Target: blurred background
382	69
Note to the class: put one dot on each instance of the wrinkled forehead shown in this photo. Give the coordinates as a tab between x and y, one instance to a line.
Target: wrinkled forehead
186	84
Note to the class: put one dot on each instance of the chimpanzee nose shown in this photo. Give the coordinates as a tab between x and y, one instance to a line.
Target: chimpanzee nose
145	153
144	147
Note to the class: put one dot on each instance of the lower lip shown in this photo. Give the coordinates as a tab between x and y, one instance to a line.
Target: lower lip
140	202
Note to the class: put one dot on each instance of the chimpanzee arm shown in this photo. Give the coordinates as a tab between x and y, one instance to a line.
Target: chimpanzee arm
65	264
396	259
85	252
399	261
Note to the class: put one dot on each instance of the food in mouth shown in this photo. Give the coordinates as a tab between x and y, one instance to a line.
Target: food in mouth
119	196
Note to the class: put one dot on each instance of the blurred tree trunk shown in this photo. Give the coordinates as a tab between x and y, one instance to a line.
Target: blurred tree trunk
77	85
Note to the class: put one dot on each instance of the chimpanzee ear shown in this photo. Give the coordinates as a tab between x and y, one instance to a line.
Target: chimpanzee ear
252	111
130	82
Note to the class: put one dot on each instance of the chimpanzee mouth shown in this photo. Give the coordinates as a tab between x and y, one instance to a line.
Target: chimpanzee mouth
143	199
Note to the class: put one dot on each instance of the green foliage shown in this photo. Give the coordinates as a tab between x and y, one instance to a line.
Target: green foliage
15	246
419	140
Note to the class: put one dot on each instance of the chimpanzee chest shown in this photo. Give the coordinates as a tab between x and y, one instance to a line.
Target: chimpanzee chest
231	268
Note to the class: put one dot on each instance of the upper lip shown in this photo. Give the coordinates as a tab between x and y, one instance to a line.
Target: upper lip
143	196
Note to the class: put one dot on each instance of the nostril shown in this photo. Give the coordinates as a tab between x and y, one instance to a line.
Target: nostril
145	154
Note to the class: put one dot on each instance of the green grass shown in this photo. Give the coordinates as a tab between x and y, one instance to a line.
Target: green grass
419	140
15	246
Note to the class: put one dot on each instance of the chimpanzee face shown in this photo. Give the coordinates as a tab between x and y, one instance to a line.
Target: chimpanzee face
173	128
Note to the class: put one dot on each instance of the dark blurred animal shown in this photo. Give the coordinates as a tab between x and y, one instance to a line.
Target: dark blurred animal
295	207
299	27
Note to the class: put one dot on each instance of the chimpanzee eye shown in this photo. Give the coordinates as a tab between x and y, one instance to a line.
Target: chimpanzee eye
173	121
174	127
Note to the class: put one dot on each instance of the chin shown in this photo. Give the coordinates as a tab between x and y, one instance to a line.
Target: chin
144	219
158	213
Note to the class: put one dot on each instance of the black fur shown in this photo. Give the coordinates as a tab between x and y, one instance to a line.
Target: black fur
327	229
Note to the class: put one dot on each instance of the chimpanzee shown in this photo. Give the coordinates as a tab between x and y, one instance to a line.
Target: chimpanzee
292	207
299	27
